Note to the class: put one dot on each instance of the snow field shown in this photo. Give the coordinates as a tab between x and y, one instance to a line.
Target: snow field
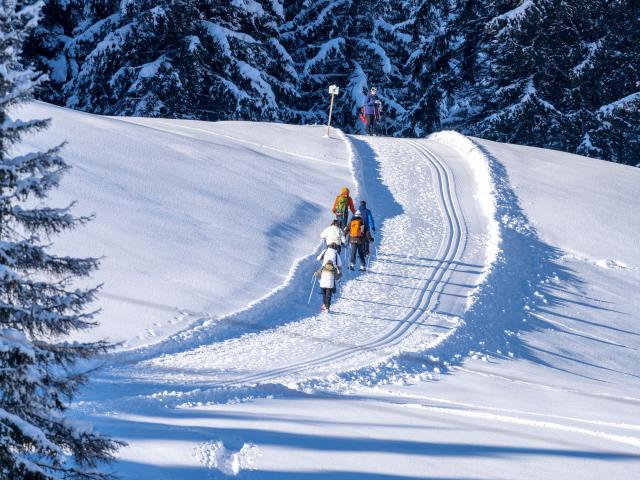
377	314
481	344
195	220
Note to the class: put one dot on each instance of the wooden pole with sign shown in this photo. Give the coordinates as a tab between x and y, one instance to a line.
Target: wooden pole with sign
333	91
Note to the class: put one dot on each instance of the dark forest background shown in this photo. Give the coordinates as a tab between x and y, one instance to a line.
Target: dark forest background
562	74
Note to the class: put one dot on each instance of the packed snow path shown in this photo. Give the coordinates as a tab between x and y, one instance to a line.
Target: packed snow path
429	260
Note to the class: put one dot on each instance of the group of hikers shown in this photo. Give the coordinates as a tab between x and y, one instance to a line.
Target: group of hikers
357	233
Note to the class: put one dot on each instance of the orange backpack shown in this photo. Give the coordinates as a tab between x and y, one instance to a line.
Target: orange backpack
356	228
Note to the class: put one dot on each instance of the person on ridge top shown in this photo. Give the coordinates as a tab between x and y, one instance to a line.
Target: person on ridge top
372	110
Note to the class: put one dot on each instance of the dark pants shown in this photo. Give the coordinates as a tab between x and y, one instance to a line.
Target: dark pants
359	248
342	220
326	296
371	123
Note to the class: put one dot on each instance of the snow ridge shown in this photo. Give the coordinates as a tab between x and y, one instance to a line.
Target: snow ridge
479	164
515	282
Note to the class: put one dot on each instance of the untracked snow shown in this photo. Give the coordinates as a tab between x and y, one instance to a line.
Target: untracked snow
494	335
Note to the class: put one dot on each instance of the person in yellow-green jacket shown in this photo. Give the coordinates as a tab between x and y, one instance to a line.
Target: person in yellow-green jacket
341	206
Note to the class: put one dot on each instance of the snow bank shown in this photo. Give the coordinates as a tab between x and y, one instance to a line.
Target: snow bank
479	164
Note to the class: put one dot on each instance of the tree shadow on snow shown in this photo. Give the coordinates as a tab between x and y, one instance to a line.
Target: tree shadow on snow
234	438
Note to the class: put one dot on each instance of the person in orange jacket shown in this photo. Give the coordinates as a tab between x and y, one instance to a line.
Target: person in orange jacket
341	207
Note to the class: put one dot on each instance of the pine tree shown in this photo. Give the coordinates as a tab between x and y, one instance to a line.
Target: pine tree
203	59
447	64
355	45
59	19
608	84
554	73
563	75
39	306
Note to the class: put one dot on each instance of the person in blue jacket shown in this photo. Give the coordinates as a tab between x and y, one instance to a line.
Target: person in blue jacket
372	111
370	226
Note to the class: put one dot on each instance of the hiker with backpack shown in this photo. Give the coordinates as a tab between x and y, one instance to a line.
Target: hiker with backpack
370	226
356	231
333	234
341	206
372	111
328	274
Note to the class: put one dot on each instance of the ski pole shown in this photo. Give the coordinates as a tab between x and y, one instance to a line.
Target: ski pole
312	287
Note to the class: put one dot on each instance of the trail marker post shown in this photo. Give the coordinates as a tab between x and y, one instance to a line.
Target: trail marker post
333	91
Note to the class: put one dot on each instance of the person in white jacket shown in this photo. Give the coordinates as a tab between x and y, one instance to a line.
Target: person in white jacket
333	234
329	274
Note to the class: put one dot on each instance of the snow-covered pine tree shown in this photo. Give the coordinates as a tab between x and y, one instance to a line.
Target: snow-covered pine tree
559	78
59	19
608	84
354	45
205	59
39	306
434	71
523	90
447	63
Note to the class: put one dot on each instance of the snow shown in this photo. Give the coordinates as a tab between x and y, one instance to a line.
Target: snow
379	51
595	194
189	244
250	6
494	334
621	103
219	34
529	95
512	16
592	49
257	82
333	45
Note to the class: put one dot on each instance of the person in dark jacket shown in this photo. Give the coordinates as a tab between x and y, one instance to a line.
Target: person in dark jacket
369	224
372	111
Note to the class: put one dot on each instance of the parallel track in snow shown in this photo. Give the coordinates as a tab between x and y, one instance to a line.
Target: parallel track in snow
450	250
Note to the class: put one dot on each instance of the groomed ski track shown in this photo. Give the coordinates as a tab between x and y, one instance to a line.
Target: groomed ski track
429	260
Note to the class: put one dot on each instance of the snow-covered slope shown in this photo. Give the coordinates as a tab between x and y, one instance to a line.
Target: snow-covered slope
495	334
194	219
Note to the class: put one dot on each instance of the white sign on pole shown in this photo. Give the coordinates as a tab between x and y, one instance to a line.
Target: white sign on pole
334	90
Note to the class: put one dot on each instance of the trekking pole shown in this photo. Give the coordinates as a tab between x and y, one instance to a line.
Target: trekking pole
312	287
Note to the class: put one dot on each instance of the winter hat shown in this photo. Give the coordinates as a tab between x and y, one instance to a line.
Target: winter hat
344	190
363	202
357	214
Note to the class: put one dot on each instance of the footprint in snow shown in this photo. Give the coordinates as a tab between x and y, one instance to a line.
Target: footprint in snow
225	458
